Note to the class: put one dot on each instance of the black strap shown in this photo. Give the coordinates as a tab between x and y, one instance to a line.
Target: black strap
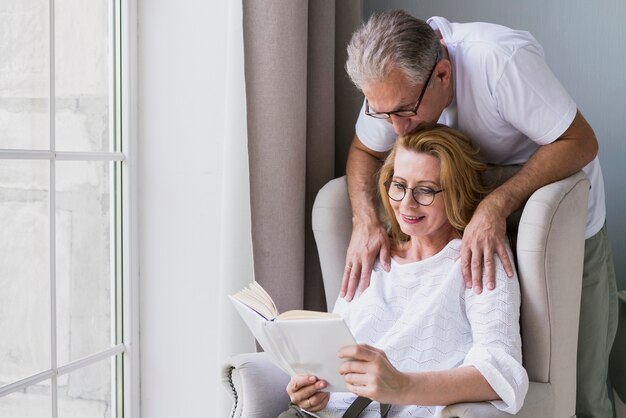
359	405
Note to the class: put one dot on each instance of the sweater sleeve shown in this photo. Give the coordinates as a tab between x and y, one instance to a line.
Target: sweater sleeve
497	349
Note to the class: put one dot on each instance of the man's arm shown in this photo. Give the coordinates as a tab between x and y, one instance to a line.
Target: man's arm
485	233
369	238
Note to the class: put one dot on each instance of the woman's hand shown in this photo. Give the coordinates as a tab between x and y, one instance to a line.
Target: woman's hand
304	391
369	373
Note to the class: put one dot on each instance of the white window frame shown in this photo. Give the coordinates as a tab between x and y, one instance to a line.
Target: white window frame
122	123
128	76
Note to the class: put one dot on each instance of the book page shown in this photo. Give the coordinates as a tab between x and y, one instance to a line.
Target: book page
262	294
310	346
300	314
256	323
297	341
255	297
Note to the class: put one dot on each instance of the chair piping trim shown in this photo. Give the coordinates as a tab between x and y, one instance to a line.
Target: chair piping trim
232	387
545	269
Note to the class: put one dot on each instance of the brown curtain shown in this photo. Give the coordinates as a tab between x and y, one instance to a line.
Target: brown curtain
301	111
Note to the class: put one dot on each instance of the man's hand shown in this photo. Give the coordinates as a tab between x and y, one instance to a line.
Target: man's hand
367	372
366	244
304	391
369	238
483	237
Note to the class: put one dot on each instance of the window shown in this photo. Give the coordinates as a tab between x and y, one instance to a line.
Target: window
64	210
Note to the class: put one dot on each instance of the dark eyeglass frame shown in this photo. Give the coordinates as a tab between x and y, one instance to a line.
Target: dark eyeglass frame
404	113
414	190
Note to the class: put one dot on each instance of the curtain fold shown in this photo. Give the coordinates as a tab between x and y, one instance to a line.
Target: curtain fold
348	99
320	138
291	73
275	45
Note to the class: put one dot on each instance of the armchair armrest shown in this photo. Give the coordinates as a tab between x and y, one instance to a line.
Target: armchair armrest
473	410
538	403
256	386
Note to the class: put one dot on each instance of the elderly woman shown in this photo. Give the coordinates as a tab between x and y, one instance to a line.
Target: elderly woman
424	339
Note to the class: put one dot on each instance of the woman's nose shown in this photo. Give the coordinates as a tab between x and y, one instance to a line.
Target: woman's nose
408	200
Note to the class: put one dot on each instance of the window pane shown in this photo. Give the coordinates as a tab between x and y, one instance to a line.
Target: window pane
82	71
24	73
25	269
86	393
83	216
33	402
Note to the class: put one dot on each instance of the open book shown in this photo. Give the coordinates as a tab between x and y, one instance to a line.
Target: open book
298	342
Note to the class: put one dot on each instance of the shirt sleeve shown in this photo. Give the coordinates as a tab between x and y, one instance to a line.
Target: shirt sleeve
497	349
531	98
376	134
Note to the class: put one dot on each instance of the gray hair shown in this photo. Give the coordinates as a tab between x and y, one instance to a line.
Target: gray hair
391	40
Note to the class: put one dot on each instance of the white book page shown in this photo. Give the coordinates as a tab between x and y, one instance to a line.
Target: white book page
310	347
256	323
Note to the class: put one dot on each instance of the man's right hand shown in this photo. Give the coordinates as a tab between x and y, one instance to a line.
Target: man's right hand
366	243
369	238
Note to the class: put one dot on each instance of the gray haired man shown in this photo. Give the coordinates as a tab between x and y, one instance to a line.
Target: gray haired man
492	83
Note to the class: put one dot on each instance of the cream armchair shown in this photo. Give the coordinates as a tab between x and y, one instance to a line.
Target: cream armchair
549	251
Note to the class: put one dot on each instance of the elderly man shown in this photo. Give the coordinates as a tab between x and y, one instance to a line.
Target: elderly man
492	83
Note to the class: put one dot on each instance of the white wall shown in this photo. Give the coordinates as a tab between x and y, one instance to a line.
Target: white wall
181	73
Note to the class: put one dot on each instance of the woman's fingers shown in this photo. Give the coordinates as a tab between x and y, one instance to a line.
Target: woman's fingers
298	382
304	391
360	352
317	402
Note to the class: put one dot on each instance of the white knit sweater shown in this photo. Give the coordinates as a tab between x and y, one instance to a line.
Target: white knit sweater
425	319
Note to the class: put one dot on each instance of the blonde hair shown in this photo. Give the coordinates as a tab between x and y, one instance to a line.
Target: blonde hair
460	175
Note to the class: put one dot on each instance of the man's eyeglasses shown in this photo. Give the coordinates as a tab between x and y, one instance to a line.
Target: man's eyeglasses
424	196
403	113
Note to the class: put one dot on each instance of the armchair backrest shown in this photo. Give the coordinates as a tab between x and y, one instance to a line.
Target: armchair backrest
550	253
549	250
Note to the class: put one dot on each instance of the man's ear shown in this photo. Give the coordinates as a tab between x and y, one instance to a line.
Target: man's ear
443	72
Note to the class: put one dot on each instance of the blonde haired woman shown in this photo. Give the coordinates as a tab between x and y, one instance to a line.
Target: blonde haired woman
425	341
